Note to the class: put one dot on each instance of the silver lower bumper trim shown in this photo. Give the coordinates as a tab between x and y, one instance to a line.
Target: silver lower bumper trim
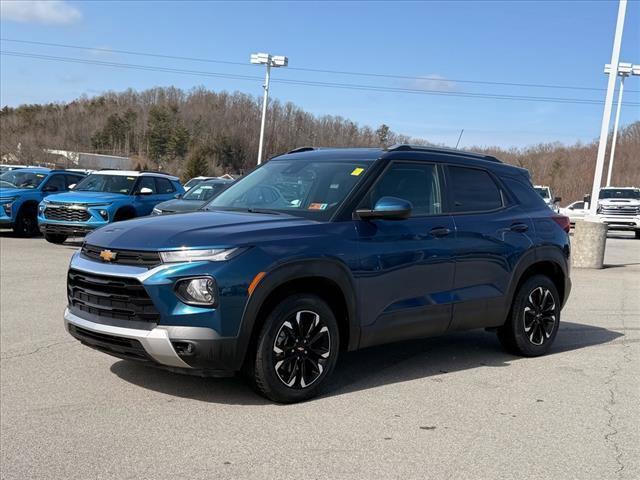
156	342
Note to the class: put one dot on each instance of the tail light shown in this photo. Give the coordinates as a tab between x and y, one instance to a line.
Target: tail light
563	221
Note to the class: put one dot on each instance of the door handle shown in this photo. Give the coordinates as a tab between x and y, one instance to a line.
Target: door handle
439	231
519	227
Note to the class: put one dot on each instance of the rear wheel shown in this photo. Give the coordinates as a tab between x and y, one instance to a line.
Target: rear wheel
26	222
56	238
534	318
297	349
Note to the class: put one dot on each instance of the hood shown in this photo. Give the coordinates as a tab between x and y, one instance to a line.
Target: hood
85	197
197	229
178	205
15	192
621	202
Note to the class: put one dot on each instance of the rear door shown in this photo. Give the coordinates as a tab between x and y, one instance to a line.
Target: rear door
145	203
164	189
491	234
405	271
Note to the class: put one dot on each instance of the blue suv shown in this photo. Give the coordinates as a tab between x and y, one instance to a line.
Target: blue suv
319	251
103	197
22	189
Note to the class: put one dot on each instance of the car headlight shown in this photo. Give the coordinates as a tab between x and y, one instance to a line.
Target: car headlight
208	255
198	291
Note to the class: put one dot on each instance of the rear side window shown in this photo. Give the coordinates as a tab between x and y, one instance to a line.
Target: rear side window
472	190
163	185
524	193
146	182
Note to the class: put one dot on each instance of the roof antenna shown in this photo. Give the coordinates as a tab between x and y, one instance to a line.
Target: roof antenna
459	137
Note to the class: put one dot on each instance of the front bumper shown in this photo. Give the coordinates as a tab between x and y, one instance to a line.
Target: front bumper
65	229
620	223
158	346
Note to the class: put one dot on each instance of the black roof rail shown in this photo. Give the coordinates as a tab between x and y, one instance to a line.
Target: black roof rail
404	147
157	171
300	149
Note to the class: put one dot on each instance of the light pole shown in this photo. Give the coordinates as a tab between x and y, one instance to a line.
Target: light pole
270	61
606	114
624	70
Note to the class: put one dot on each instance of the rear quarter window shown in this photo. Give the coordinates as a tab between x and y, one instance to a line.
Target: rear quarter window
524	193
472	190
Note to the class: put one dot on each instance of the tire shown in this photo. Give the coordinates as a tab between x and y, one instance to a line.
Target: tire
297	349
56	238
123	214
26	222
534	318
638	234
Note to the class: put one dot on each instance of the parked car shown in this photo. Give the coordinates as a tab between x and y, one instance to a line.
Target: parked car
101	198
619	208
194	181
194	199
575	211
547	195
321	251
7	168
22	189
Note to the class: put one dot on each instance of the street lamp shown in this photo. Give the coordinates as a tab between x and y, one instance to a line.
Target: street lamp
624	70
270	61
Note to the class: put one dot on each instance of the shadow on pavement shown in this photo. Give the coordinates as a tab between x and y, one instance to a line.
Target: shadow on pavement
371	367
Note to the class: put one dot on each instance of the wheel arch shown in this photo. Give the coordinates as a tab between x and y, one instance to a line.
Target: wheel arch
328	279
127	209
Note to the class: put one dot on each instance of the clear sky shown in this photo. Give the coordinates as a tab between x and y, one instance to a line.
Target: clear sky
543	42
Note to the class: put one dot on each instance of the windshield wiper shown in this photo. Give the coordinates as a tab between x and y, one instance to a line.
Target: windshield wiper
263	210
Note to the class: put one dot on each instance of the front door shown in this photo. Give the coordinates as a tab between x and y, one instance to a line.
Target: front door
405	269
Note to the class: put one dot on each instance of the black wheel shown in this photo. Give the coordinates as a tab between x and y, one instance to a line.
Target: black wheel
534	318
637	233
26	222
297	349
122	215
56	238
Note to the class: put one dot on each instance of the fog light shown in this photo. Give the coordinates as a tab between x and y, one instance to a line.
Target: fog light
104	214
184	349
199	291
7	208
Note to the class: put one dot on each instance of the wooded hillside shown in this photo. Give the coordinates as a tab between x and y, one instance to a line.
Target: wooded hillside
204	132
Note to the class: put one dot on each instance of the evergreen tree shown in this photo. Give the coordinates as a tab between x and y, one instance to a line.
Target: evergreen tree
198	162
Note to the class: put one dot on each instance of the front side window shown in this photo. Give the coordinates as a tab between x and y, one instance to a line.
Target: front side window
204	191
305	188
106	183
22	179
472	190
56	184
414	182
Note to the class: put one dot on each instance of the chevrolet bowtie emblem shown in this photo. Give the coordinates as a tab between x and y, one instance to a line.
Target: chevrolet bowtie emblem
108	255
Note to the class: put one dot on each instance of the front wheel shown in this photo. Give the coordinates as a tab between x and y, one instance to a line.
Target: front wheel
534	318
297	349
55	238
26	222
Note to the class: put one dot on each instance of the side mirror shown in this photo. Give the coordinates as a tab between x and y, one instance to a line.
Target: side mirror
49	188
72	186
145	191
557	200
178	195
387	208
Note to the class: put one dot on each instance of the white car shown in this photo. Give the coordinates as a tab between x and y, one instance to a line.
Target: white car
547	195
575	211
619	208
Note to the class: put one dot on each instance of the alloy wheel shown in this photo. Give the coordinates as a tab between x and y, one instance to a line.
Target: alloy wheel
539	315
301	349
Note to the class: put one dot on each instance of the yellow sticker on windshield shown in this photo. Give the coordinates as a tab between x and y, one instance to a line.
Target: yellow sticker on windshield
357	171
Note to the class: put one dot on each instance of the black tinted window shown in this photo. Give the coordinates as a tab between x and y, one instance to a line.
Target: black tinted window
73	179
164	186
524	193
473	190
147	182
56	183
417	183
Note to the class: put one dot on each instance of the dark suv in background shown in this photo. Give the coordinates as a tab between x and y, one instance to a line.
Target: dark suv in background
323	250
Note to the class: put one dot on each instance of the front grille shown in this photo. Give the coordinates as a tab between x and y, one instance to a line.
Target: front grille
110	297
622	211
123	257
119	346
66	213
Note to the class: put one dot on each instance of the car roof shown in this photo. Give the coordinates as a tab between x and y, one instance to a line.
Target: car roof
32	169
134	173
400	152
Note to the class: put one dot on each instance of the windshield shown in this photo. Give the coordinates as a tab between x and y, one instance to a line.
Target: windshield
311	189
543	192
22	179
618	193
205	191
106	183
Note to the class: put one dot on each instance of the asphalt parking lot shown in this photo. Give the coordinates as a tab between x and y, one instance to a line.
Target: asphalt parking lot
454	407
